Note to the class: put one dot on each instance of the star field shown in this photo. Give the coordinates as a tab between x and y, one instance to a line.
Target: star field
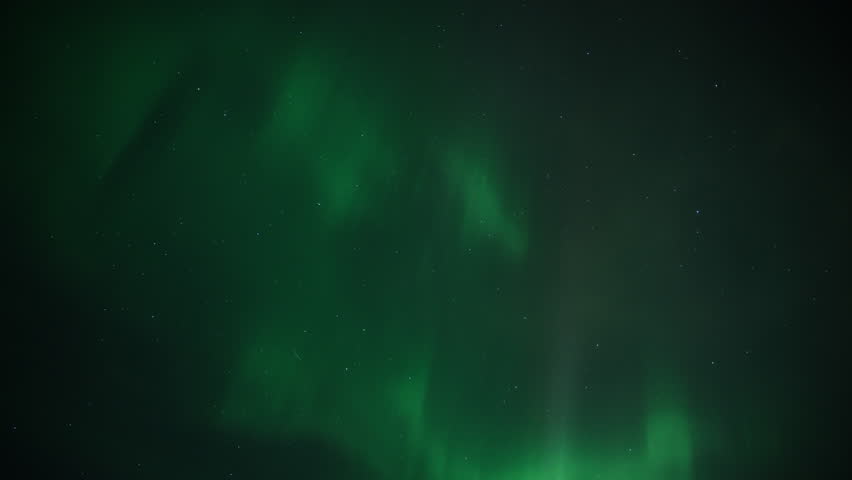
433	242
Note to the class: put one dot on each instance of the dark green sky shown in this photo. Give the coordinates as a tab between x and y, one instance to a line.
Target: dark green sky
451	242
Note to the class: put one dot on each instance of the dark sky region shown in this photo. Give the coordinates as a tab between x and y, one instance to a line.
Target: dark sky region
433	241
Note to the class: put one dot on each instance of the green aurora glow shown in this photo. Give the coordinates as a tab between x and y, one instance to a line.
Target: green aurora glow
284	230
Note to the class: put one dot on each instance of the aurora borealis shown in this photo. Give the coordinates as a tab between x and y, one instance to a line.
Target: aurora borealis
435	242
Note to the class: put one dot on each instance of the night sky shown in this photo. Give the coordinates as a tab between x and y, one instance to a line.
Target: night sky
425	242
